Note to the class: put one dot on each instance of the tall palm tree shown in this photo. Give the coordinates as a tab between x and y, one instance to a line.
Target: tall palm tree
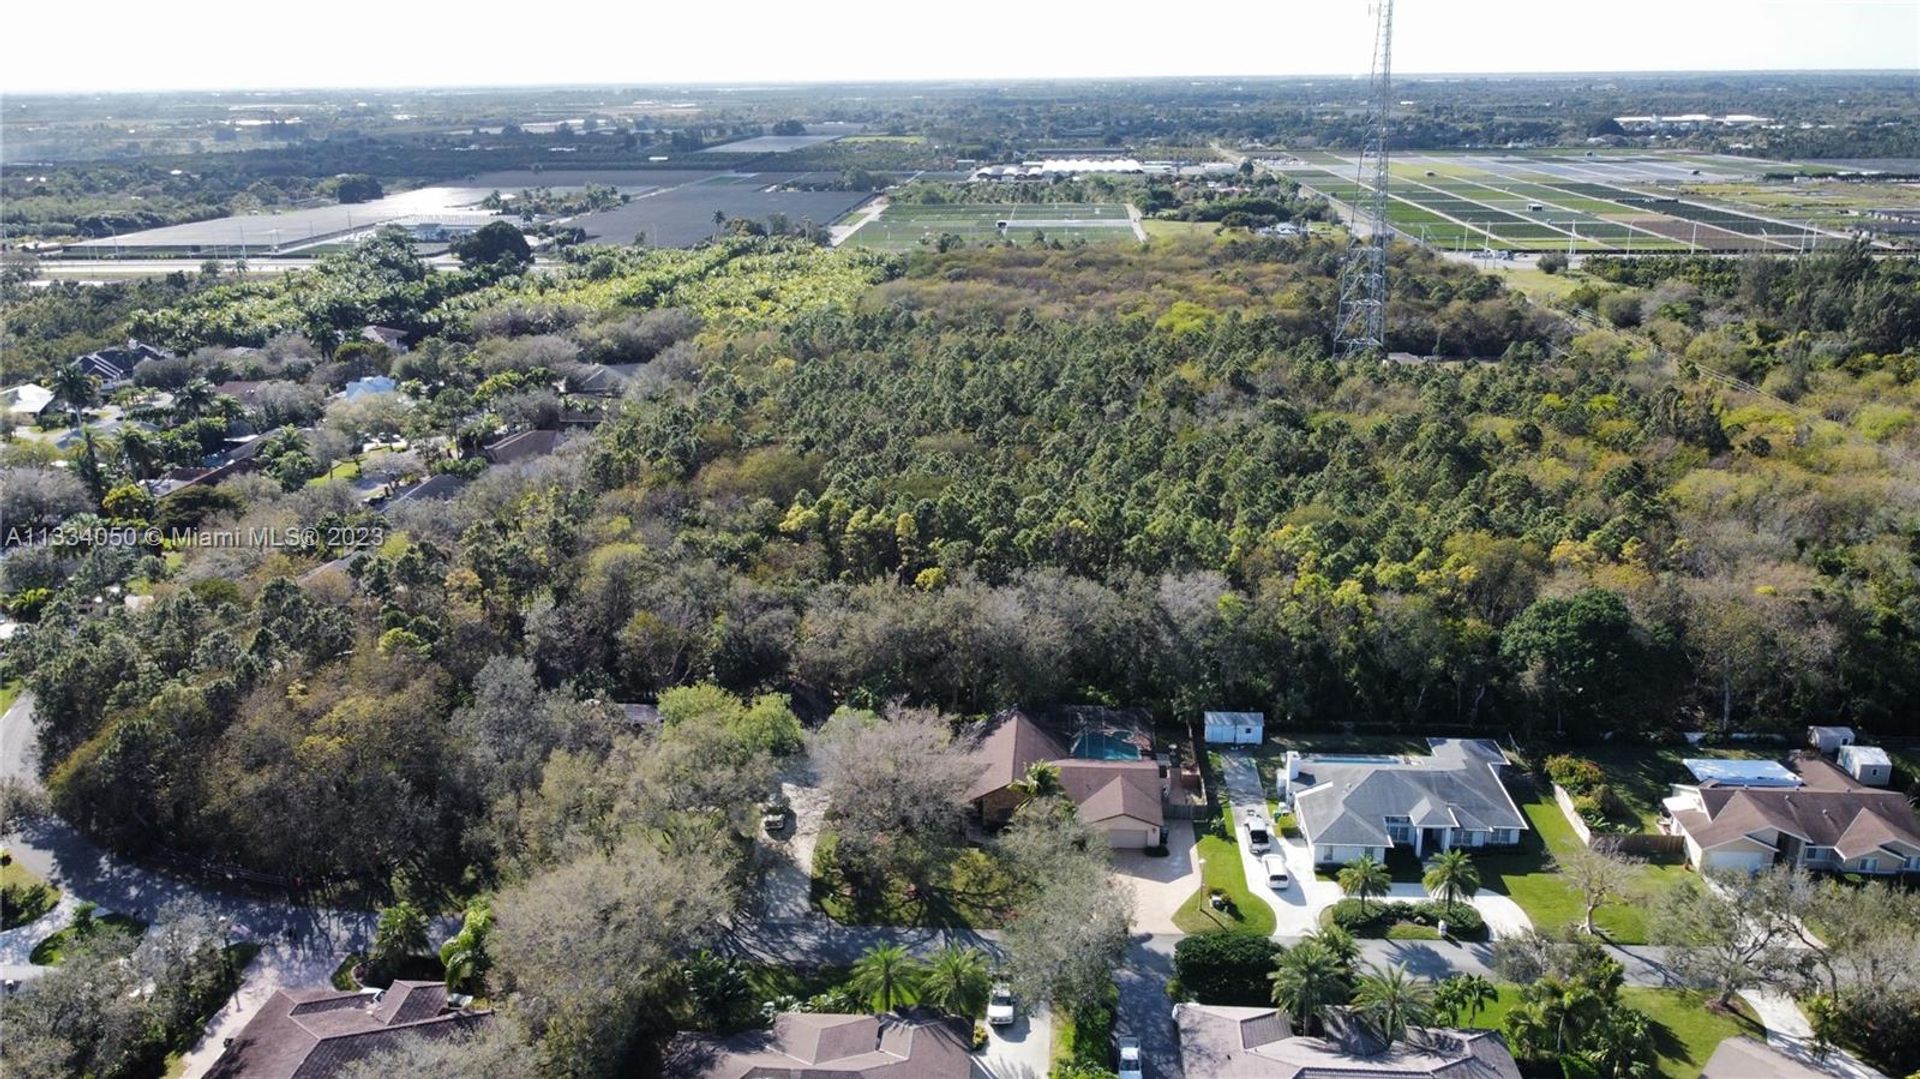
73	387
1365	878
1468	994
1452	876
194	398
143	454
1306	979
956	981
1340	944
886	976
1391	1001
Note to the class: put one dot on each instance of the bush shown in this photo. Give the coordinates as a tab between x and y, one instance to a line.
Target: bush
1577	774
1225	968
1552	262
1379	919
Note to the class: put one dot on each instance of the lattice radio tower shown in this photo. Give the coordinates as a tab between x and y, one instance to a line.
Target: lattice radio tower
1361	327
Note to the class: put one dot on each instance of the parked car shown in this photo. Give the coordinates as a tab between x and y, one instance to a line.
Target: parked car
1000	1005
1259	833
1129	1059
1277	876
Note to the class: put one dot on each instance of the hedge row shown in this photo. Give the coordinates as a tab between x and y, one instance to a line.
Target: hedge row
1463	921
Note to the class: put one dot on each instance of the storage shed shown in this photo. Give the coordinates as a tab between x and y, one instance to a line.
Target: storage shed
1868	764
1236	728
1829	739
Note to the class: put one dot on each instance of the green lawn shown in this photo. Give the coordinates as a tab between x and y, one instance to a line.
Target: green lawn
1527	876
1220	867
976	894
1685	1031
9	692
1642	775
49	952
29	897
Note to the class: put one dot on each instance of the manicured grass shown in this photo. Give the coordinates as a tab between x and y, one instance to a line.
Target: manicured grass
1157	229
1220	867
29	897
50	951
1685	1031
1528	878
975	894
910	227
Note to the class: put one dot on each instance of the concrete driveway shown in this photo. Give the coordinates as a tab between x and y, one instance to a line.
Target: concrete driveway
787	880
1296	908
1161	885
1020	1050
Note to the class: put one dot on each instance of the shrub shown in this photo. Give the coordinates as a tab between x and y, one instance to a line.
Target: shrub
1380	919
1225	968
1577	774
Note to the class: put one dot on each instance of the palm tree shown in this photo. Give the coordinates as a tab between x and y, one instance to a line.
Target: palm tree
886	976
1340	944
1041	781
143	455
194	398
1307	979
1452	876
1365	878
1468	993
956	981
73	387
1392	1001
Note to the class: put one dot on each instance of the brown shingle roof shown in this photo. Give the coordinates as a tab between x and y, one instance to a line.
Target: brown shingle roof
316	1033
902	1045
1853	822
1253	1043
1107	789
1012	744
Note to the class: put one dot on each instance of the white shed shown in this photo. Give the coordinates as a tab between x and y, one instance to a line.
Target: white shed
1236	728
1829	739
1868	764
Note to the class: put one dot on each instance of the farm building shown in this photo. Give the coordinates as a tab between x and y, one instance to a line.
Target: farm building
1829	739
1868	764
1236	728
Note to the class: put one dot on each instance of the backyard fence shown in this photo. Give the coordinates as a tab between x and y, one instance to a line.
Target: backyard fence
1638	844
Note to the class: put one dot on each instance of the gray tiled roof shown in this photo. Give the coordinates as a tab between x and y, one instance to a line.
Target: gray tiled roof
1346	803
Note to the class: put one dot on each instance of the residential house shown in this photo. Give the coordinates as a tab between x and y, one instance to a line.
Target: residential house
1353	805
370	385
26	401
318	1033
1106	765
1235	728
114	366
385	335
1828	822
909	1044
437	488
1219	1042
521	446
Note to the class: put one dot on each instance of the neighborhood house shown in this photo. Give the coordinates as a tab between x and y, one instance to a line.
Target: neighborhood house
317	1033
1354	805
1106	767
1824	820
901	1045
1258	1043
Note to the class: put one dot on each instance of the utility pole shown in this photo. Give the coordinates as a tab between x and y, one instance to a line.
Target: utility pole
1360	327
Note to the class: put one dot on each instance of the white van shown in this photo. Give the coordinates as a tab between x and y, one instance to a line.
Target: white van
1277	876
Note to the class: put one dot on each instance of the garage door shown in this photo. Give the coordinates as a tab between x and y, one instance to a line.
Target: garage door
1127	838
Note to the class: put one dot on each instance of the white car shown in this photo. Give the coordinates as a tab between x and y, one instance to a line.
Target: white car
1129	1059
1259	833
1277	876
1000	1006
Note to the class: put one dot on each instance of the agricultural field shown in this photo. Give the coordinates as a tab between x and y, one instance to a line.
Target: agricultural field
1577	201
905	227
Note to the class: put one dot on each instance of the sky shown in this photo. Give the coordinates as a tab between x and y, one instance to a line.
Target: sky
230	44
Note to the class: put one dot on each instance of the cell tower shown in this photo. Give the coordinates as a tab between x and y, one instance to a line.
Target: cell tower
1361	326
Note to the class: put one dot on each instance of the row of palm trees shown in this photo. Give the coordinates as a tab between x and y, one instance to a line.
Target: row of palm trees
956	979
1450	875
1322	972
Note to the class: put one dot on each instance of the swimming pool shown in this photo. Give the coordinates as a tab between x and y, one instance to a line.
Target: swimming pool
1354	758
1104	746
